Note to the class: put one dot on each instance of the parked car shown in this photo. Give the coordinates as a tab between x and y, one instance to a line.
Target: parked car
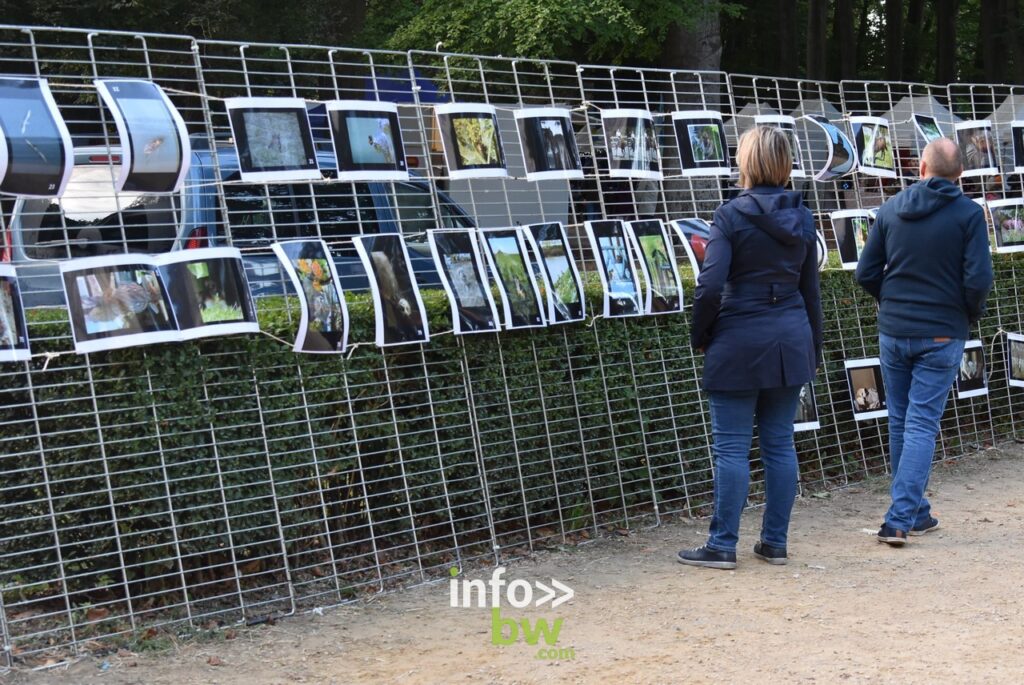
91	220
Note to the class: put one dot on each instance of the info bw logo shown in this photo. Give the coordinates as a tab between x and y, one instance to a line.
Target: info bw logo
519	593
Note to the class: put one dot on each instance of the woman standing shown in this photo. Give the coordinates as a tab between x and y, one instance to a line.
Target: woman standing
757	318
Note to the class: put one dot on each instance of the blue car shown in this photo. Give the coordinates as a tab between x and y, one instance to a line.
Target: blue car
91	220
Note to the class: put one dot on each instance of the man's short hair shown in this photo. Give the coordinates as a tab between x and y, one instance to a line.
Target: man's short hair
943	158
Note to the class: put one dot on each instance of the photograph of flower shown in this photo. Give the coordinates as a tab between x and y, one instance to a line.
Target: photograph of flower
14	344
874	146
507	257
664	290
399	315
867	391
631	143
36	153
549	144
457	257
471	141
562	286
977	148
851	228
788	126
615	263
367	140
273	139
694	234
155	149
323	328
972	376
1007	224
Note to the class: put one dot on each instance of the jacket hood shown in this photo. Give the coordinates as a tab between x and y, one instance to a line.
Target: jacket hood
780	214
925	198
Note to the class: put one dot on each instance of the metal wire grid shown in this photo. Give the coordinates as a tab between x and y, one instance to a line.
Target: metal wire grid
237	487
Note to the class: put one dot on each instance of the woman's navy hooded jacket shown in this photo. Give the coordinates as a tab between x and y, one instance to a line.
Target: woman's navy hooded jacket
757	308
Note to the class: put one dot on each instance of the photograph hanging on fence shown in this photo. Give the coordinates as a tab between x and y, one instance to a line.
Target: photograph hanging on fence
806	410
972	376
14	345
788	126
867	391
509	263
927	127
36	153
1015	357
548	143
399	315
616	267
460	266
154	145
1007	224
663	293
841	155
323	326
367	140
471	141
273	139
703	150
822	251
563	288
694	234
977	148
851	228
876	156
1017	142
631	143
208	291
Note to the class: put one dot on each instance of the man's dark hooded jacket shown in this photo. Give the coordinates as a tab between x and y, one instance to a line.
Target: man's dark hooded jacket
927	262
757	307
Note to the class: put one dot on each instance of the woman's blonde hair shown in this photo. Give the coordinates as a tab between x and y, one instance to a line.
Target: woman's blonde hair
764	157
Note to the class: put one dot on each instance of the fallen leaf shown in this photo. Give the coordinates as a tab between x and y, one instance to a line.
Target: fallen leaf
97	613
230	634
215	661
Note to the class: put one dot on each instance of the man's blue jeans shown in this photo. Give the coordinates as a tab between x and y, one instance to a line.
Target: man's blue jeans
732	423
918	373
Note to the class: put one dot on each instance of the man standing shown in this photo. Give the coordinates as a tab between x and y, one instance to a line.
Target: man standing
928	264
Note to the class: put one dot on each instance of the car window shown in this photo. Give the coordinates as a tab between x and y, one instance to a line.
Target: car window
415	209
90	219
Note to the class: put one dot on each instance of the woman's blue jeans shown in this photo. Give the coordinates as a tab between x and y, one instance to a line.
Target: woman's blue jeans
732	423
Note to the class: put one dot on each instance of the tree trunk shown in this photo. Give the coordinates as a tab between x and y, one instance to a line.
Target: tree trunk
843	33
894	40
945	37
817	34
1013	39
697	47
862	31
786	14
912	40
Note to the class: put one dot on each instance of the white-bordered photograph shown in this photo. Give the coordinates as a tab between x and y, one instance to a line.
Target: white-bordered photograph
977	148
460	266
616	267
36	153
841	159
323	326
631	143
972	376
867	391
876	155
1007	223
663	293
471	140
14	345
788	126
806	418
703	149
1015	359
509	264
694	234
927	127
273	139
822	251
367	139
549	144
554	264
1017	141
208	291
851	228
399	315
155	149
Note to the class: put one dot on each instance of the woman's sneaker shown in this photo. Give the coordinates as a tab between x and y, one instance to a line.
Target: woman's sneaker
773	555
708	558
928	526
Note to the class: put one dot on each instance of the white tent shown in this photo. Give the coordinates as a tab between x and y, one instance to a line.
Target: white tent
1011	109
901	120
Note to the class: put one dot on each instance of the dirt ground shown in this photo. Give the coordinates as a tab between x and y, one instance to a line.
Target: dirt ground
947	608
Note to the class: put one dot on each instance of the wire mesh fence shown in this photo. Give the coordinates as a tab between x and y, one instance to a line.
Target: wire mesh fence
181	487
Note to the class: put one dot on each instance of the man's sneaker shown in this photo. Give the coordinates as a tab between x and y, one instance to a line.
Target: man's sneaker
928	526
708	558
892	536
773	555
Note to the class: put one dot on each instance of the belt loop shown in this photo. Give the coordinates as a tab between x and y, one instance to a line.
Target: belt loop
773	297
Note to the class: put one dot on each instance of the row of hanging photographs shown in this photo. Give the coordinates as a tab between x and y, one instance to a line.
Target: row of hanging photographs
274	141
